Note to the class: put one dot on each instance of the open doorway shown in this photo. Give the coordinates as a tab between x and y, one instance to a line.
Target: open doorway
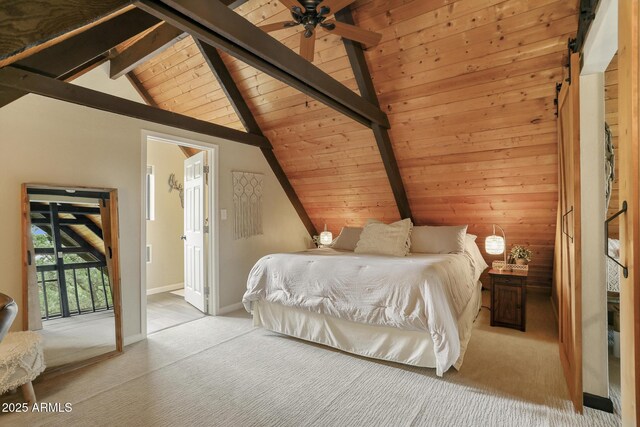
178	257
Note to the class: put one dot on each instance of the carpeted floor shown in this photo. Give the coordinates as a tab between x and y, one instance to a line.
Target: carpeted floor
77	338
221	371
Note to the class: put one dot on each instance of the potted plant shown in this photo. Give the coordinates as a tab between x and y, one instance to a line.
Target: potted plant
520	255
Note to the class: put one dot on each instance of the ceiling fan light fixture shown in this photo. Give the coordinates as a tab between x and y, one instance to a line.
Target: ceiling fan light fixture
297	13
324	10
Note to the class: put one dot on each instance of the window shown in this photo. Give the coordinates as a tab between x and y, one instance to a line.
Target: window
150	203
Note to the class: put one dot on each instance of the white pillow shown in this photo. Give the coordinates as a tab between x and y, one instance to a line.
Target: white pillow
471	248
348	238
429	239
385	239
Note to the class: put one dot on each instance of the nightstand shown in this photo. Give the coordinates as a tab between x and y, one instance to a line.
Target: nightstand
508	298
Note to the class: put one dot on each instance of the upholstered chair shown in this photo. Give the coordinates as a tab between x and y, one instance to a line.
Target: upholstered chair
8	312
21	354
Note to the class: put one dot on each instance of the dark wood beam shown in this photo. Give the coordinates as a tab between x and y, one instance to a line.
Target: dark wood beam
585	19
59	258
82	242
232	4
361	71
67	59
69	209
79	220
27	25
228	85
153	43
220	27
56	89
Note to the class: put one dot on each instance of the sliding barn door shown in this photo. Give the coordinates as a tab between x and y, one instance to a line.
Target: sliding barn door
567	261
194	215
629	154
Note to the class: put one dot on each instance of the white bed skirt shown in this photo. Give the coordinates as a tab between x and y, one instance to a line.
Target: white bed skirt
378	342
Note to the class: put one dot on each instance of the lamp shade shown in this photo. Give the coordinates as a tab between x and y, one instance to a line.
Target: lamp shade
326	238
494	245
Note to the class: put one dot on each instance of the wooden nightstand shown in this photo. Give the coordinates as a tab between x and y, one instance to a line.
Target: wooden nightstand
508	298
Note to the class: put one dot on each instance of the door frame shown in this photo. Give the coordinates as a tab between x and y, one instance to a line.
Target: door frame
113	264
629	175
212	241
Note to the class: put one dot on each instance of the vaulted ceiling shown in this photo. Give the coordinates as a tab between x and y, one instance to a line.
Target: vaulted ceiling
468	86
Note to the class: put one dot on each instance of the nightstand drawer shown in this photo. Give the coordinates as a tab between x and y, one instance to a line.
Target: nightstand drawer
508	280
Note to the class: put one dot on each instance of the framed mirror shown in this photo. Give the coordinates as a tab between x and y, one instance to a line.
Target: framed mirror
71	272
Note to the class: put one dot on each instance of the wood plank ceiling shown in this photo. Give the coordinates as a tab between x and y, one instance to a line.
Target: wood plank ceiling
468	86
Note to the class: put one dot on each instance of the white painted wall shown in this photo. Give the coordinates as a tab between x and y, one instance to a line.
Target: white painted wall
163	232
600	47
48	141
595	369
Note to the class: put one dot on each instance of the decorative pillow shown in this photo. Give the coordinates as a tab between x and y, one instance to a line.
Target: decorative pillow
348	238
438	240
385	239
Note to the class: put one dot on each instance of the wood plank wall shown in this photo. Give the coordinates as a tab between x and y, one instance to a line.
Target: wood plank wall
469	89
611	117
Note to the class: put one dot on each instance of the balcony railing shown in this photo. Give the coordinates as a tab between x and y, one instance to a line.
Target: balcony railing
86	286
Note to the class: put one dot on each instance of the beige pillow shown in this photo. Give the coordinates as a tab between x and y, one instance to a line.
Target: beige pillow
348	238
385	239
438	240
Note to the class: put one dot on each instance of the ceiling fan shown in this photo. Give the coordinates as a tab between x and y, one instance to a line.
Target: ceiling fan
311	14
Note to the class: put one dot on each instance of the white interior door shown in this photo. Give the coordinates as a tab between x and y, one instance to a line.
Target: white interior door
194	218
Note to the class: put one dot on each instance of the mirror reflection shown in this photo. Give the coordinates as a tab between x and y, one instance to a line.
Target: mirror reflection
70	297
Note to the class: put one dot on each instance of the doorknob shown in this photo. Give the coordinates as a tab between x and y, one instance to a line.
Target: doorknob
183	237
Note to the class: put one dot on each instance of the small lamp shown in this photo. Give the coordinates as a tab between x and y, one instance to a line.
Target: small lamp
326	237
496	245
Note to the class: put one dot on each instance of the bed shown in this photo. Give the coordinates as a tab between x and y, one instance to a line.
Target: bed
417	310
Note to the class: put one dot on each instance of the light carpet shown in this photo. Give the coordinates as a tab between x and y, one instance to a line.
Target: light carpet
220	371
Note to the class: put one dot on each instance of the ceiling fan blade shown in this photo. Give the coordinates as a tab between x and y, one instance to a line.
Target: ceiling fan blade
308	46
351	32
276	26
290	4
335	5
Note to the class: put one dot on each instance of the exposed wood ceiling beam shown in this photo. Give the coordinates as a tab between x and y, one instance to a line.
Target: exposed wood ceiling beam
151	44
219	69
232	4
29	25
72	56
31	82
585	19
219	26
367	90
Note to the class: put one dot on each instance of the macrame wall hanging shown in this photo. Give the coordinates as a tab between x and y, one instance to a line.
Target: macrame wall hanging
247	203
609	165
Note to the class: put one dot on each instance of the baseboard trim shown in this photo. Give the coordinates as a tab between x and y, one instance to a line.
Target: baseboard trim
133	339
597	402
229	308
167	288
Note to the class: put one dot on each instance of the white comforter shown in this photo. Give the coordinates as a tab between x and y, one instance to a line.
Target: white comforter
419	292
